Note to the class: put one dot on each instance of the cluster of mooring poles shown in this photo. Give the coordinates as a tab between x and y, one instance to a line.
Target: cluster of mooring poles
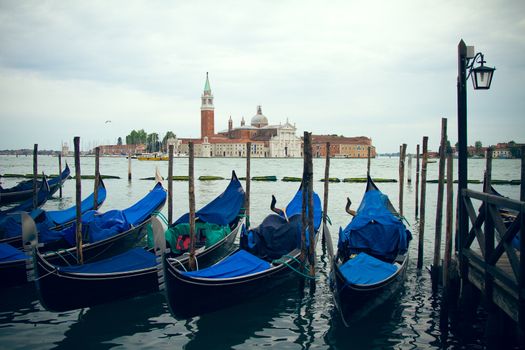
78	188
485	263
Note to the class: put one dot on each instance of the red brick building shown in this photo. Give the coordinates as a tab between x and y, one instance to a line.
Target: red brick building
343	147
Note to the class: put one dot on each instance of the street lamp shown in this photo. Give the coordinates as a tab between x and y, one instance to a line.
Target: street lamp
481	75
481	79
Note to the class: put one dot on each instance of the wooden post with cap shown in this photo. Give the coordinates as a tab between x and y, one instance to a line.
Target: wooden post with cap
97	178
78	200
326	181
248	182
191	190
35	174
439	205
402	155
60	174
170	184
421	244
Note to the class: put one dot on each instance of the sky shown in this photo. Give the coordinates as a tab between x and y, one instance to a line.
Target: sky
382	69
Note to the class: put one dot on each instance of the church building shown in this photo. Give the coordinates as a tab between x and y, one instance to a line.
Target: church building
267	140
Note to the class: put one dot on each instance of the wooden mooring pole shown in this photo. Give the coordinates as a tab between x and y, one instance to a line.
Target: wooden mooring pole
402	156
368	162
326	181
439	206
191	191
421	243
449	223
97	178
78	200
35	172
489	234
522	183
409	170
248	183
521	283
417	182
304	206
170	184
310	191
129	167
60	173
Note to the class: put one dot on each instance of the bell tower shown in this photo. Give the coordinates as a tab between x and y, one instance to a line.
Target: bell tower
207	111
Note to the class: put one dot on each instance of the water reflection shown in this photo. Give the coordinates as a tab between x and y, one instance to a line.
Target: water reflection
245	322
100	327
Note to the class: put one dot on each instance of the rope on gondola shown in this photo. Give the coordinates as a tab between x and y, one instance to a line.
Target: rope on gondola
160	215
58	252
402	218
285	263
327	218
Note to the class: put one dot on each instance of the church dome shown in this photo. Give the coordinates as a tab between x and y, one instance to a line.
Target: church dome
259	120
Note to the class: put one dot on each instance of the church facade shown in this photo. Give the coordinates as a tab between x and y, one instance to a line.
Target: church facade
266	140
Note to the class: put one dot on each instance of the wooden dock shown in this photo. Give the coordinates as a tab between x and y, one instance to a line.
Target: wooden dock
490	247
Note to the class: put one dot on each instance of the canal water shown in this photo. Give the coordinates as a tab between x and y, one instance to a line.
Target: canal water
289	317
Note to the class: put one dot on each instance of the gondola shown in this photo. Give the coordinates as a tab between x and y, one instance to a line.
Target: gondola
268	255
372	256
43	193
105	235
133	273
11	225
24	190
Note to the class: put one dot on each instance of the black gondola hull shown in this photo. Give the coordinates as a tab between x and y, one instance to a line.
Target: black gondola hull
58	291
14	272
9	197
355	301
188	297
61	291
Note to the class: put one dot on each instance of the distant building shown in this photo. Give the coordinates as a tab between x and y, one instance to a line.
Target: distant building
122	149
65	149
267	140
343	147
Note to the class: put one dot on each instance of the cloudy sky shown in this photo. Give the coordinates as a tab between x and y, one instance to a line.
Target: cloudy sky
384	69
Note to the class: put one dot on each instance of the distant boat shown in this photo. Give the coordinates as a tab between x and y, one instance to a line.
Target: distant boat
153	157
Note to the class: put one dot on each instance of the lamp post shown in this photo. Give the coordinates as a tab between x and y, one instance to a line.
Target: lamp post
481	79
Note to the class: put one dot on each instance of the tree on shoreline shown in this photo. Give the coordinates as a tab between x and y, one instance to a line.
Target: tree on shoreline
136	137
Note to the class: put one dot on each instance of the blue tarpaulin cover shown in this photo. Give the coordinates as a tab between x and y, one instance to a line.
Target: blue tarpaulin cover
295	207
10	253
60	217
97	226
240	263
365	269
374	230
223	209
11	226
275	236
134	259
142	210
